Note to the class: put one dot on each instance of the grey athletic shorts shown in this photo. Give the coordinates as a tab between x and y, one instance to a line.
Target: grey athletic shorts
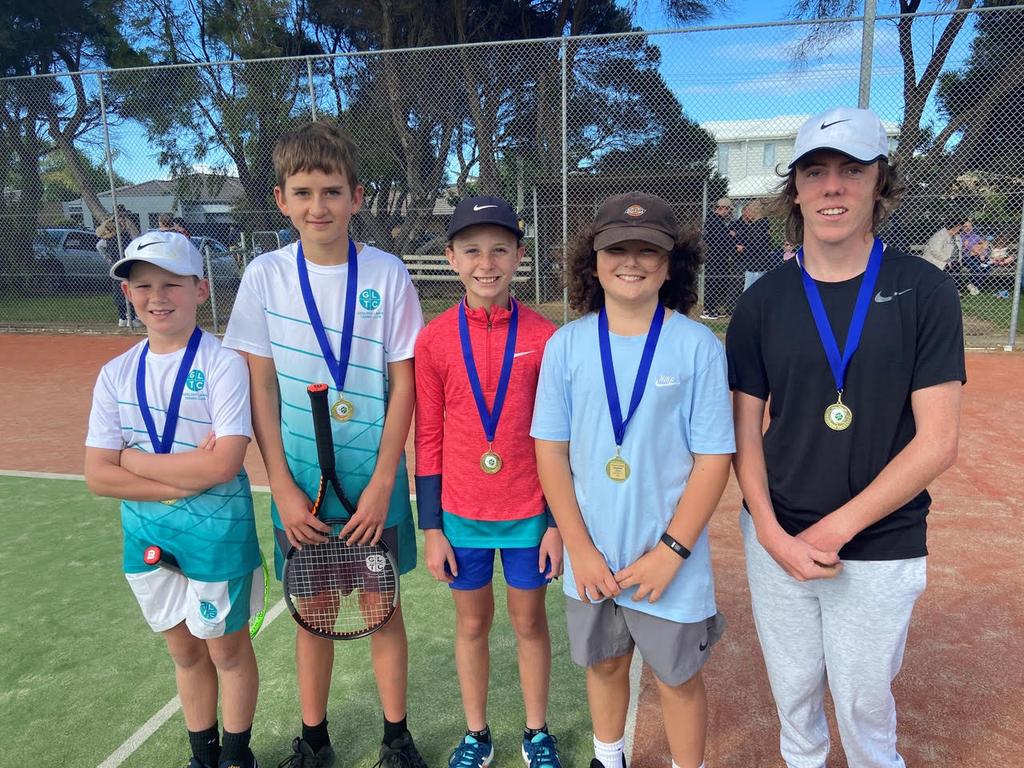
675	651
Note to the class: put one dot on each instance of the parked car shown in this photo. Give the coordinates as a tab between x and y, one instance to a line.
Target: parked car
68	260
222	268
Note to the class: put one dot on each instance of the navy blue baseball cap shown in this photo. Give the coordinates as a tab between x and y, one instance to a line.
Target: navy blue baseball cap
483	210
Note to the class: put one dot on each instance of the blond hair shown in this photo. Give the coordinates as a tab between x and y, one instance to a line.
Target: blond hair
316	147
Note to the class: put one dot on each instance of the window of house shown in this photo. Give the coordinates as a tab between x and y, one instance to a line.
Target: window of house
723	159
768	157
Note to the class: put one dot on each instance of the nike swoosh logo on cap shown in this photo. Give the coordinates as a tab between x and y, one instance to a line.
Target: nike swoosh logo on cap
834	122
481	207
140	246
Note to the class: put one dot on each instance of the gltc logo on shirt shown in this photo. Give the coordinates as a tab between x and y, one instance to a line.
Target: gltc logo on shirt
196	380
369	299
207	610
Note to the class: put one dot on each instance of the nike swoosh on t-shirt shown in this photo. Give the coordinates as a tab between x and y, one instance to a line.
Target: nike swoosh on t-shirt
880	299
527	352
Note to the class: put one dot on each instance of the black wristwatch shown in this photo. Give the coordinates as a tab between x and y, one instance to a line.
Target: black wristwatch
675	546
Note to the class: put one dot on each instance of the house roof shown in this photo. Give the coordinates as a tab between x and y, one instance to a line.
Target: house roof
778	127
197	187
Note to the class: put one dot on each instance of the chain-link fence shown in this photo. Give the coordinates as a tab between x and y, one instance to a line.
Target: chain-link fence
553	125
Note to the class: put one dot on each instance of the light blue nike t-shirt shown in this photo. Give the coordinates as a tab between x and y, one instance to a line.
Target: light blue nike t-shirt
685	410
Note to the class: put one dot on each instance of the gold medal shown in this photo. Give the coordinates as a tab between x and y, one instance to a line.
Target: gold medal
838	416
617	469
342	409
490	462
169	502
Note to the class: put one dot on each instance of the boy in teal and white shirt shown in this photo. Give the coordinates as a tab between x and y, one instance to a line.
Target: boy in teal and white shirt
168	432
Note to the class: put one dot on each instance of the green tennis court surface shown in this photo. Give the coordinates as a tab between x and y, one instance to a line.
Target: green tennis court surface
81	671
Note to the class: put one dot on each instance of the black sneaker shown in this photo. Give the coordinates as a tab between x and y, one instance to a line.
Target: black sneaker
401	753
595	763
303	756
195	762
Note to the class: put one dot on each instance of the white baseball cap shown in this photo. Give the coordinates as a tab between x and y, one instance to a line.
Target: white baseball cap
857	133
168	250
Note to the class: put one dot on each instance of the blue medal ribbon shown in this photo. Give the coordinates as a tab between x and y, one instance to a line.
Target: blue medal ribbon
162	443
860	312
489	419
640	383
338	367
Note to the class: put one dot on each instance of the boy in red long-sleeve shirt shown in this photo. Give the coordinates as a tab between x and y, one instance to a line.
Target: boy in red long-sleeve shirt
476	471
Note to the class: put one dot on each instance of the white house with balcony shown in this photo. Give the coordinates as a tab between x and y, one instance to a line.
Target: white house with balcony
750	151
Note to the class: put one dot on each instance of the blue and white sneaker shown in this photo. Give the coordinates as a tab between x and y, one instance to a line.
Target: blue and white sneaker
540	752
471	754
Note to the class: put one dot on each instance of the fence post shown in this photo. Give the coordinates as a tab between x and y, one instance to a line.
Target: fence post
702	274
129	310
213	289
536	249
312	90
867	43
565	181
1015	296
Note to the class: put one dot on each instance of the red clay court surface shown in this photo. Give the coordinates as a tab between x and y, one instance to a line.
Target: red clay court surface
960	695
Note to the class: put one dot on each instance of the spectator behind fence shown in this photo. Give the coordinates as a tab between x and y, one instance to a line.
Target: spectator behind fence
753	243
114	233
178	225
943	248
165	223
720	238
974	251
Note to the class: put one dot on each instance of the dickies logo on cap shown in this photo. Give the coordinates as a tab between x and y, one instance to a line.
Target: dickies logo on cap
635	216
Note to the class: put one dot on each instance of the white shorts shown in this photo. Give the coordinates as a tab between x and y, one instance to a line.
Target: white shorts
210	609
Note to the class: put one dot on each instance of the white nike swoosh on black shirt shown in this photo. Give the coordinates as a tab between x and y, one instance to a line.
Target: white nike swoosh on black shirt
481	207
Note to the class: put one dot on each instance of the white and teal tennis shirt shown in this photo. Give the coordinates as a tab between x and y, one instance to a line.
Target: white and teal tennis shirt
212	534
269	319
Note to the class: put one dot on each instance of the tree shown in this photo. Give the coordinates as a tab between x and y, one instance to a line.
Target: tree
209	111
915	89
982	101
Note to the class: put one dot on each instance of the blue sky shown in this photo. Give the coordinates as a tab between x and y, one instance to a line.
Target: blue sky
720	75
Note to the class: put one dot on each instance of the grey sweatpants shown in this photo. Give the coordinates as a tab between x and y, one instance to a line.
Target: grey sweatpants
849	631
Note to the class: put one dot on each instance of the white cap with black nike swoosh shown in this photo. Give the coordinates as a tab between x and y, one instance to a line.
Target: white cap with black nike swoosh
168	250
857	133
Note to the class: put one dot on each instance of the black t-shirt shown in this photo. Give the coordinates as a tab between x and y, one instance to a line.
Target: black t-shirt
912	339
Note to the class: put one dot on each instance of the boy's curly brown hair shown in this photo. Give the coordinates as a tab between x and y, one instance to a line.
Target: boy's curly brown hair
679	291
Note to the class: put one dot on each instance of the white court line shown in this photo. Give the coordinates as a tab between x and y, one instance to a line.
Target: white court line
166	712
636	667
39	475
59	476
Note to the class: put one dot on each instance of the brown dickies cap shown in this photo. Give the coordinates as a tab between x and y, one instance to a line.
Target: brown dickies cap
635	216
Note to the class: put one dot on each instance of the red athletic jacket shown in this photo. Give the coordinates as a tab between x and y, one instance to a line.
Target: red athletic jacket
449	434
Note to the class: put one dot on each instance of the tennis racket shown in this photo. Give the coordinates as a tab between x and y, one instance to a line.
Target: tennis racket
154	555
338	590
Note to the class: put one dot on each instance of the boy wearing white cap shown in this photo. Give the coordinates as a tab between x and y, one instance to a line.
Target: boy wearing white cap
168	431
859	348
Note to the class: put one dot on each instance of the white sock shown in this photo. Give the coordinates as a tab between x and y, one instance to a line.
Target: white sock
676	766
609	754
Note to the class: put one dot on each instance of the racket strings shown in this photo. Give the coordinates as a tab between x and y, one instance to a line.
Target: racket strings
343	590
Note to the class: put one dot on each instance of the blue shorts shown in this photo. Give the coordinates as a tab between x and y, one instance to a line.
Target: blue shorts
476	567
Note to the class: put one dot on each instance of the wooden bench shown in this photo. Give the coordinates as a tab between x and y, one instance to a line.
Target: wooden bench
434	268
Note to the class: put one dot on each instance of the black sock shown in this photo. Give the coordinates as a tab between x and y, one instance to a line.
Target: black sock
393	731
484	736
529	733
235	748
206	745
316	736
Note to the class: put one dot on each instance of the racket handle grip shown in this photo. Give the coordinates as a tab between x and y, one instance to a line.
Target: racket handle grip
153	555
322	427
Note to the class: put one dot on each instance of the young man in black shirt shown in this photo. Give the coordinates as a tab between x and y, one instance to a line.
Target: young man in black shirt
859	349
